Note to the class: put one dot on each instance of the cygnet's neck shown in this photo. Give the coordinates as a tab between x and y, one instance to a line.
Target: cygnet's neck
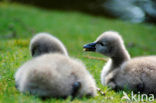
120	57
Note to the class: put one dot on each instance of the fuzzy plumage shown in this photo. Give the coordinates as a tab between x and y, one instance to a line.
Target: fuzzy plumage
53	73
137	74
43	43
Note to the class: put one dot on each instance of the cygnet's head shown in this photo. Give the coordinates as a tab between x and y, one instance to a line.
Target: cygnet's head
43	43
109	43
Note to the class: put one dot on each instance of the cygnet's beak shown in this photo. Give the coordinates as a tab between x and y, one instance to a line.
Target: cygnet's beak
89	47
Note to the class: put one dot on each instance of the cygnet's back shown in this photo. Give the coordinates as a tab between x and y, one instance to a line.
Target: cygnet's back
139	74
51	77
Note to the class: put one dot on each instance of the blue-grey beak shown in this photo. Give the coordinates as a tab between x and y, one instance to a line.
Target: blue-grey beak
89	47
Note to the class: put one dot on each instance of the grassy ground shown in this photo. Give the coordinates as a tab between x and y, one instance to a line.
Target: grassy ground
18	24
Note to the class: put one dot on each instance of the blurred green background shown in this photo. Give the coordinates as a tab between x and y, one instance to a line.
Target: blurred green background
130	10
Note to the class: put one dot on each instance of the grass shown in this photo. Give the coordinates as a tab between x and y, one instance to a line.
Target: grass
18	23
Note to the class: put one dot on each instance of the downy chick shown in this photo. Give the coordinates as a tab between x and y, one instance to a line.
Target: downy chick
137	74
54	74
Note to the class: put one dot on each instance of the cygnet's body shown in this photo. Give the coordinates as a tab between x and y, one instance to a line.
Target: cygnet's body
54	75
137	74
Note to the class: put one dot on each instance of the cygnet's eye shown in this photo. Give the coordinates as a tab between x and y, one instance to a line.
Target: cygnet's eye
102	43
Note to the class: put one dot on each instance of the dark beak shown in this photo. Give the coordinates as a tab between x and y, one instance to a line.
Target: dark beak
89	47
